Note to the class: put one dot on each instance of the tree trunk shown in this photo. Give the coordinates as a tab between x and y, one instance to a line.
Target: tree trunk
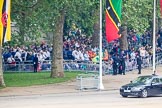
96	28
57	57
2	83
123	38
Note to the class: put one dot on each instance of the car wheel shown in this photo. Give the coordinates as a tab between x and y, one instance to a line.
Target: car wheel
144	93
124	95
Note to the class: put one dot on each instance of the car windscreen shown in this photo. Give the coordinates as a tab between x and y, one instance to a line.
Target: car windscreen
143	79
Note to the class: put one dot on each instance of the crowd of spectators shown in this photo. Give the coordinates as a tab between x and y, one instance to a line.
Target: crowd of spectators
78	47
25	54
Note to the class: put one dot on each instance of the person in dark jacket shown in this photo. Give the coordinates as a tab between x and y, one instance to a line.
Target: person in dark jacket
123	64
115	64
120	66
139	63
35	63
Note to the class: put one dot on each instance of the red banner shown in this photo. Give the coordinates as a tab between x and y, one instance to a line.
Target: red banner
161	7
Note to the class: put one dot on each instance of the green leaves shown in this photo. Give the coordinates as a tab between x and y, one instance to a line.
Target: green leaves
34	17
138	14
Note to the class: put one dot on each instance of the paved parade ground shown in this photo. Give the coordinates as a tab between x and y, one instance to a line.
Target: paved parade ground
98	99
65	95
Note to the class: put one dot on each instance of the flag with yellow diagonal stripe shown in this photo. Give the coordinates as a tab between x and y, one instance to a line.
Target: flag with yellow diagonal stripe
113	19
5	22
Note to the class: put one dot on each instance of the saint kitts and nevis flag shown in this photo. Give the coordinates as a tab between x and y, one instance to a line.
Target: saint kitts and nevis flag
113	19
161	6
5	22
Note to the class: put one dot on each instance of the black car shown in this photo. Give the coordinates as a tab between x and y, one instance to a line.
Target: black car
143	86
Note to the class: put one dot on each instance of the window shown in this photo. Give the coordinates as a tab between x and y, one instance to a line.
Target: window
160	80
155	80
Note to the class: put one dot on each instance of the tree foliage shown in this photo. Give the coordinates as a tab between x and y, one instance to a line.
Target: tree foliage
24	14
138	14
35	18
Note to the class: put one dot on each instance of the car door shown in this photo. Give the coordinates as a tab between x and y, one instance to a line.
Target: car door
160	85
155	86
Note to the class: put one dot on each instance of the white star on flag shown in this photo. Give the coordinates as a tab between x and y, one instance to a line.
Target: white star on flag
109	8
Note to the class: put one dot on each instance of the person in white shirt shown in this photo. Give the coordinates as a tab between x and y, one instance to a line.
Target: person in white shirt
133	55
40	56
10	60
75	54
81	57
77	44
18	55
142	52
46	54
86	56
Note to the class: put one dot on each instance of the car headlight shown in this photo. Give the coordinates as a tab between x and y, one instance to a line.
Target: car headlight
121	88
136	88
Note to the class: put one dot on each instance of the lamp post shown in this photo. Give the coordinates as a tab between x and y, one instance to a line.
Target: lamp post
101	87
154	38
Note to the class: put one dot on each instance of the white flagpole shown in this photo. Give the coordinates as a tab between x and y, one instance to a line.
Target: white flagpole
154	39
101	87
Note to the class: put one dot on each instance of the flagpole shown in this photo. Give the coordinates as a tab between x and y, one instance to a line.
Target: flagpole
101	87
154	40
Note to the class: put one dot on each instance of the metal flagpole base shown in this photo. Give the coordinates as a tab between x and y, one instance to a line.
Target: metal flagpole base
101	87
